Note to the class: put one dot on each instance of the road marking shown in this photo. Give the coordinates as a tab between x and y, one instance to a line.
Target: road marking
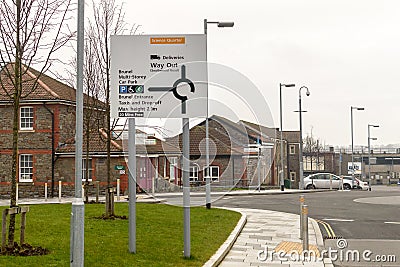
392	222
338	220
327	227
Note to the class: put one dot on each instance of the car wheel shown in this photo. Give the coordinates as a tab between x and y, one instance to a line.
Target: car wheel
346	187
310	186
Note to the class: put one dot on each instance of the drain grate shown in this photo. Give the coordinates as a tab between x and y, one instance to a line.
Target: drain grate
333	237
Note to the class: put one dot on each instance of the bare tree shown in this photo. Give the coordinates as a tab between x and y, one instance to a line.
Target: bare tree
93	106
312	148
108	20
31	31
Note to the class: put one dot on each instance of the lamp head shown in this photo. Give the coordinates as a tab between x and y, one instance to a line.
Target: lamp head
307	93
225	24
289	85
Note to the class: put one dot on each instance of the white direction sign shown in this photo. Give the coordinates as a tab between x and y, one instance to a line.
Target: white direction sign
357	167
158	76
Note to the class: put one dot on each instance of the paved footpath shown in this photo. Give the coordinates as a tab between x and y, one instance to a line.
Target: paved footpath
268	230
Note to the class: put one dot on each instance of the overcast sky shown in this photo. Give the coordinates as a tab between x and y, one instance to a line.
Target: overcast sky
346	52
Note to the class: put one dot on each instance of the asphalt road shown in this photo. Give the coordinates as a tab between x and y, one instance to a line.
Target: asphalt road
348	218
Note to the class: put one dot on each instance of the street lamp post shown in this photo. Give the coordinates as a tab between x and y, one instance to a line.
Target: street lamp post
208	180
301	186
369	154
282	184
352	142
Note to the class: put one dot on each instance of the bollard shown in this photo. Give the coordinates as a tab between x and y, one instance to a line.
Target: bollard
16	197
301	200
59	191
97	191
304	211
45	191
341	182
118	188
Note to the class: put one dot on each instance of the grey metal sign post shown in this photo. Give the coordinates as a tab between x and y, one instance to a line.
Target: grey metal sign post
186	187
132	184
78	208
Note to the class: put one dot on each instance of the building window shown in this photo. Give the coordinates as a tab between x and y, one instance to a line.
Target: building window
314	163
292	149
26	118
214	173
25	168
194	174
293	176
90	169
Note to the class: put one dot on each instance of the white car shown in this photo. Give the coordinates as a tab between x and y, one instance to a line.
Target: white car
358	183
361	184
326	181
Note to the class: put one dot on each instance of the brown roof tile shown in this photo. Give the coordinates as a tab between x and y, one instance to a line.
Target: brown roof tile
47	88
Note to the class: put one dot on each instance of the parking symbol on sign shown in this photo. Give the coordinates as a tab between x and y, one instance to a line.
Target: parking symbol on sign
123	89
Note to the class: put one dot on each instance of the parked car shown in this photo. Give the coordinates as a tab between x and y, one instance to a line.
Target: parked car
326	181
361	184
358	183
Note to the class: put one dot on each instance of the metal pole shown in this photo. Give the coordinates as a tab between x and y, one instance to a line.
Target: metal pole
132	184
301	145
281	138
301	185
301	200
258	169
352	143
369	160
208	179
352	148
391	175
304	211
118	188
78	207
59	190
186	187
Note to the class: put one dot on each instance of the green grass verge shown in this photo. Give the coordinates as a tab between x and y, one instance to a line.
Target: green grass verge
159	236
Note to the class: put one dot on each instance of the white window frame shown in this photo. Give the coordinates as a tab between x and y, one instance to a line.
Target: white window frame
193	174
213	178
24	119
292	176
25	168
292	149
84	169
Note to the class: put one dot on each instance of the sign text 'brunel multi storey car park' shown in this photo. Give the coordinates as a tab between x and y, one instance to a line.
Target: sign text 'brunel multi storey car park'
158	76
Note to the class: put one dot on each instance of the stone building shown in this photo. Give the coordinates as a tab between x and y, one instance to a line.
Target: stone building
242	154
46	124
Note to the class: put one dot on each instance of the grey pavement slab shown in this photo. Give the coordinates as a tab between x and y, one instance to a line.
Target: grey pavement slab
263	231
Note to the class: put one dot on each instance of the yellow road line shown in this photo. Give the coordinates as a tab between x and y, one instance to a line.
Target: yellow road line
327	227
